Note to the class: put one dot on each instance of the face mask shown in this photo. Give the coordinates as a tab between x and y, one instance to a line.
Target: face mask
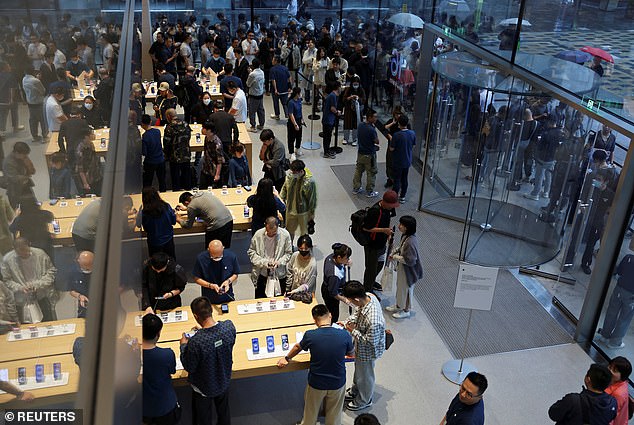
88	106
355	86
295	176
217	258
75	62
304	253
86	271
206	101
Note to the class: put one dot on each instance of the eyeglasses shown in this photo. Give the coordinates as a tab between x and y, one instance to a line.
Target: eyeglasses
468	394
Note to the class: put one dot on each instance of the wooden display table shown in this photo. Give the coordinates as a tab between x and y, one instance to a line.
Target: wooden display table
43	396
41	347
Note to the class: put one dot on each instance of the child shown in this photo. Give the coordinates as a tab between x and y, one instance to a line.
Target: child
239	167
60	177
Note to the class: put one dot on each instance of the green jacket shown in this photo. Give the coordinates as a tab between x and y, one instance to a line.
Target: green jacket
300	195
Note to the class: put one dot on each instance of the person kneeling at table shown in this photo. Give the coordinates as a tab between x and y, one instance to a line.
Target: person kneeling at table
164	278
216	270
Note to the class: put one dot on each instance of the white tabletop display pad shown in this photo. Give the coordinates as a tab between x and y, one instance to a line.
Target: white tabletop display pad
265	306
41	332
165	317
49	382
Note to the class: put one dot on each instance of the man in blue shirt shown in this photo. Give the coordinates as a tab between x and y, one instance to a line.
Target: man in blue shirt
160	405
280	79
153	158
228	76
75	67
328	347
215	271
402	145
330	118
208	356
467	408
366	156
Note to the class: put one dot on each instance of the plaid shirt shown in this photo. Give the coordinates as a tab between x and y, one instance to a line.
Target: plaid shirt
369	333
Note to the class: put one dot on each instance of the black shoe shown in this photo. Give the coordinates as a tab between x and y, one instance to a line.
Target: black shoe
514	187
377	287
388	183
586	269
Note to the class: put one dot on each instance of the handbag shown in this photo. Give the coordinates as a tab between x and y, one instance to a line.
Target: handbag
32	312
273	288
388	276
389	339
305	296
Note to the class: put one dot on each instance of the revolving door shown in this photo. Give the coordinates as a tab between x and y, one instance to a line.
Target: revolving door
515	166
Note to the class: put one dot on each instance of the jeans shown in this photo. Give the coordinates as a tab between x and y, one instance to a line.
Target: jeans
181	175
201	409
36	117
363	382
333	405
327	130
400	180
372	266
489	163
618	315
522	162
255	105
543	176
148	175
277	98
294	137
350	135
367	164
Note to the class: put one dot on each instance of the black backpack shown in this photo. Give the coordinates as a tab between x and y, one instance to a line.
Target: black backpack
180	91
357	220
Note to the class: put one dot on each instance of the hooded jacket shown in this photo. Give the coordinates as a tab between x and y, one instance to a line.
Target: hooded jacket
300	194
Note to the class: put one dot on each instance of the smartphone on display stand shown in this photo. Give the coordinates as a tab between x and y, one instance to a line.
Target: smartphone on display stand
224	308
39	373
270	344
57	371
255	345
22	375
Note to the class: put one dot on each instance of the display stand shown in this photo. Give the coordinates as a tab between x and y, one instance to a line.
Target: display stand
474	290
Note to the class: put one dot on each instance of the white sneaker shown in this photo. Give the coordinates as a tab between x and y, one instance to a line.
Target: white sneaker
293	158
344	142
401	315
299	153
354	143
393	308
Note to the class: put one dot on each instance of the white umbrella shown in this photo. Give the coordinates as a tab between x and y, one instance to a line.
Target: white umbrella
407	20
459	8
513	21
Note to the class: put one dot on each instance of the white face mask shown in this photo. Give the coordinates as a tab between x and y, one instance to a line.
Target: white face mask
206	101
88	106
355	86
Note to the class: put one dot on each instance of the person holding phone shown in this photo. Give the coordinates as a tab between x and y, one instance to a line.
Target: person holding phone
216	270
335	277
162	282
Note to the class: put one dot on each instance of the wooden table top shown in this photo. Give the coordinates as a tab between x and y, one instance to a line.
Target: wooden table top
40	347
45	395
245	368
299	316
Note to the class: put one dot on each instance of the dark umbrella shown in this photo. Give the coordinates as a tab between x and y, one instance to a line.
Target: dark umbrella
576	56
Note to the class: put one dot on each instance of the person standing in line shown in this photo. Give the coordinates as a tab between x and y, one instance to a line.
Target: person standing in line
402	146
328	347
367	327
620	311
153	158
273	155
160	405
269	251
35	92
410	268
621	369
335	277
215	271
250	47
377	223
592	403
255	102
366	156
392	128
354	97
329	118
295	123
157	218
208	357
280	86
300	195
208	208
467	407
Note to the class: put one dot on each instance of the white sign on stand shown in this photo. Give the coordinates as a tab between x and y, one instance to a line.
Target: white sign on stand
475	287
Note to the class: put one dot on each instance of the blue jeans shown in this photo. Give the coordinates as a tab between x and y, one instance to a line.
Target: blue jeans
543	176
363	382
400	181
618	315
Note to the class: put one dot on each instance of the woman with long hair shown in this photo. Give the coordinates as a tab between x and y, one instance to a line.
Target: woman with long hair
353	101
157	218
265	202
409	267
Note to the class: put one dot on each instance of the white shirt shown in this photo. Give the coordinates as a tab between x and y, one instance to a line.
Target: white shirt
231	58
251	47
186	54
107	54
59	60
53	113
240	105
36	53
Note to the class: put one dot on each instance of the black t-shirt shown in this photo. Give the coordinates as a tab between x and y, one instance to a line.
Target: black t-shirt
378	217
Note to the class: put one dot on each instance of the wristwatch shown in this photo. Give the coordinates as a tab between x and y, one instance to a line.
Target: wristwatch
287	358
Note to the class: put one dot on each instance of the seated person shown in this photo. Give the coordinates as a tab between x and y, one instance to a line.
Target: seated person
29	273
